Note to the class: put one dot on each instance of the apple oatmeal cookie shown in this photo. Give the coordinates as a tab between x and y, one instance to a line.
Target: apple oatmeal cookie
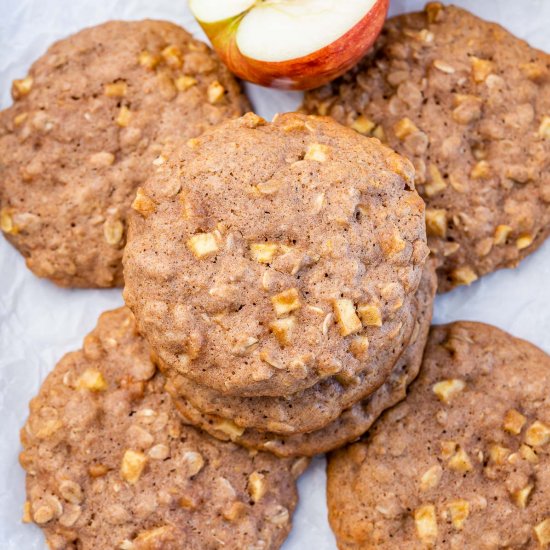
463	461
92	119
265	257
469	104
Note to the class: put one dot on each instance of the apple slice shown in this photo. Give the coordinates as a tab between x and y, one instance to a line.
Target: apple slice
291	44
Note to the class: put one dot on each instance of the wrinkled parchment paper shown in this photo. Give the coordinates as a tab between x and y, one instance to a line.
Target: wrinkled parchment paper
39	322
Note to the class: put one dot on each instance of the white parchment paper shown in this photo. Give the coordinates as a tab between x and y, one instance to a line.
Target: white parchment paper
39	322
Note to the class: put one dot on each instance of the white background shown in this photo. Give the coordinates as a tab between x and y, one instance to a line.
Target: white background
39	322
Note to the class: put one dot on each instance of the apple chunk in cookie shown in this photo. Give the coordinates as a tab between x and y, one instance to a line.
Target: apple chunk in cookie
295	44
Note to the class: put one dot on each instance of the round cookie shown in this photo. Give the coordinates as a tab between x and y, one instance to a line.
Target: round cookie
265	257
110	465
463	462
89	123
351	424
469	104
307	411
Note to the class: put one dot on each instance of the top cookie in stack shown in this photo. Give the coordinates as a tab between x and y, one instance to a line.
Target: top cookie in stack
469	104
89	122
273	264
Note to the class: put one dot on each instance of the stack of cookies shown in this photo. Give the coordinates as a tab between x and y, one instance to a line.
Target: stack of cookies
278	271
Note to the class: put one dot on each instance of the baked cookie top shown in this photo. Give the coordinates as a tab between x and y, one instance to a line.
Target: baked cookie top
88	124
110	465
351	423
265	257
463	462
469	104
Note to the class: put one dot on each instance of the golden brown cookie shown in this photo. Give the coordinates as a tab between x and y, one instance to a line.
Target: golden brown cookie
469	104
352	422
110	465
89	123
266	257
463	462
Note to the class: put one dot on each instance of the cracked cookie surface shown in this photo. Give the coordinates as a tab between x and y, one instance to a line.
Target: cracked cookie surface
469	104
89	123
265	257
110	465
463	461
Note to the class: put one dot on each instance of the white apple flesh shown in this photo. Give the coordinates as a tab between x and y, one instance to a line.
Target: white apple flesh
292	44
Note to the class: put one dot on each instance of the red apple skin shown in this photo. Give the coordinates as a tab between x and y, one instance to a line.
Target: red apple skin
303	73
